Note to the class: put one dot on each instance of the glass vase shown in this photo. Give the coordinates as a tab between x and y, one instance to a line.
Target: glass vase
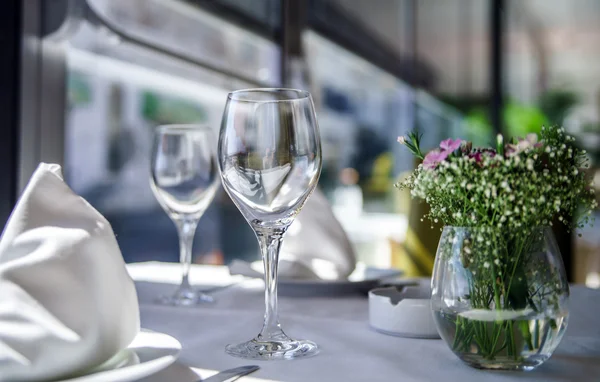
500	297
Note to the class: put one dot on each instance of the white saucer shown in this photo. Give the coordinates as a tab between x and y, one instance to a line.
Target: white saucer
149	353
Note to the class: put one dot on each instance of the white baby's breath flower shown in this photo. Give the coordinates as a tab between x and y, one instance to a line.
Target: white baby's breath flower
530	164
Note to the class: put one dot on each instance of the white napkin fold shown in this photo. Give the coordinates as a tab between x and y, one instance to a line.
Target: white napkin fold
67	302
315	247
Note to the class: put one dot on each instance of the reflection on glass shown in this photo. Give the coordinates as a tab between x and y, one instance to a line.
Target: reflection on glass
270	161
184	180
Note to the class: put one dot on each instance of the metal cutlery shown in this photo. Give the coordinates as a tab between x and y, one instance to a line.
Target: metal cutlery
231	374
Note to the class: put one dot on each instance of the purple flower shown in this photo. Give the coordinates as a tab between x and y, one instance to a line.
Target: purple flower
433	158
450	145
477	156
481	153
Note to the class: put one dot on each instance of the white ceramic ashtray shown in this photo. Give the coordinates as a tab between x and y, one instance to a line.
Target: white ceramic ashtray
404	313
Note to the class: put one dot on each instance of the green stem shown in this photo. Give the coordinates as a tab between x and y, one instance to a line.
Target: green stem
517	260
524	327
513	349
457	333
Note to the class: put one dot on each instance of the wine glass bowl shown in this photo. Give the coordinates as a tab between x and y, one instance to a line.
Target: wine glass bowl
269	154
267	166
184	179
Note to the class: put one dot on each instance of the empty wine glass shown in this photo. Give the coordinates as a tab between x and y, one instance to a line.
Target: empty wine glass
184	180
270	160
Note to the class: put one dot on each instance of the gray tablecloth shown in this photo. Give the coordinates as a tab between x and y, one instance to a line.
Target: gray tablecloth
350	350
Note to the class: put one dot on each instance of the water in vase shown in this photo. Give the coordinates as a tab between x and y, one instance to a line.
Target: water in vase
508	340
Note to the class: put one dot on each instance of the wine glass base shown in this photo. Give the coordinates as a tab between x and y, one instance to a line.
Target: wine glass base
273	350
185	297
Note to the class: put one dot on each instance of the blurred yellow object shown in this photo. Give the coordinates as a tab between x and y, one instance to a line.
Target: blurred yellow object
411	256
416	255
402	198
380	180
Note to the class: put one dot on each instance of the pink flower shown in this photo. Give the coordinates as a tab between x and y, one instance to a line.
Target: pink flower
450	145
433	158
530	141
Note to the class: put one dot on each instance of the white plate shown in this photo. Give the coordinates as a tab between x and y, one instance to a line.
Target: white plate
149	353
358	283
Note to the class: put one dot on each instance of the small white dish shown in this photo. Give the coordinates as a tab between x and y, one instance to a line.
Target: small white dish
148	353
405	313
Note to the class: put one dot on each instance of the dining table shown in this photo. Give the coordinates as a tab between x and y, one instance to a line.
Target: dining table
349	349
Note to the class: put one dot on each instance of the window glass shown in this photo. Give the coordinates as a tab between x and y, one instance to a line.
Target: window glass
183	28
118	93
552	52
362	110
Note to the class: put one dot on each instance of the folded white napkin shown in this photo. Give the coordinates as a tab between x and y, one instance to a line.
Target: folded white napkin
315	247
66	301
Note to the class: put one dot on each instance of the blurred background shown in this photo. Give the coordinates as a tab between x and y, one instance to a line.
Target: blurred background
84	82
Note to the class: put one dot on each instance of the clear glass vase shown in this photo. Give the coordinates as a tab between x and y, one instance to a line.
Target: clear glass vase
499	297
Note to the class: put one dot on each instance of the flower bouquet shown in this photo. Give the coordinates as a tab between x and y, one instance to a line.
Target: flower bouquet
499	289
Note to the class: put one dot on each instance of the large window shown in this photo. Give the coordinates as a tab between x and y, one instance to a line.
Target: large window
145	63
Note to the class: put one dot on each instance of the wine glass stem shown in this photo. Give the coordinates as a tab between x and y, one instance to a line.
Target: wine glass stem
186	230
270	243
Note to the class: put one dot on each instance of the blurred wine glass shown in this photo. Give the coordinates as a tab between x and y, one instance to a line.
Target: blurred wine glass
184	179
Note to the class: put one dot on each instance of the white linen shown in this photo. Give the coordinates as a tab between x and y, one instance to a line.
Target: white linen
67	302
350	350
315	247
